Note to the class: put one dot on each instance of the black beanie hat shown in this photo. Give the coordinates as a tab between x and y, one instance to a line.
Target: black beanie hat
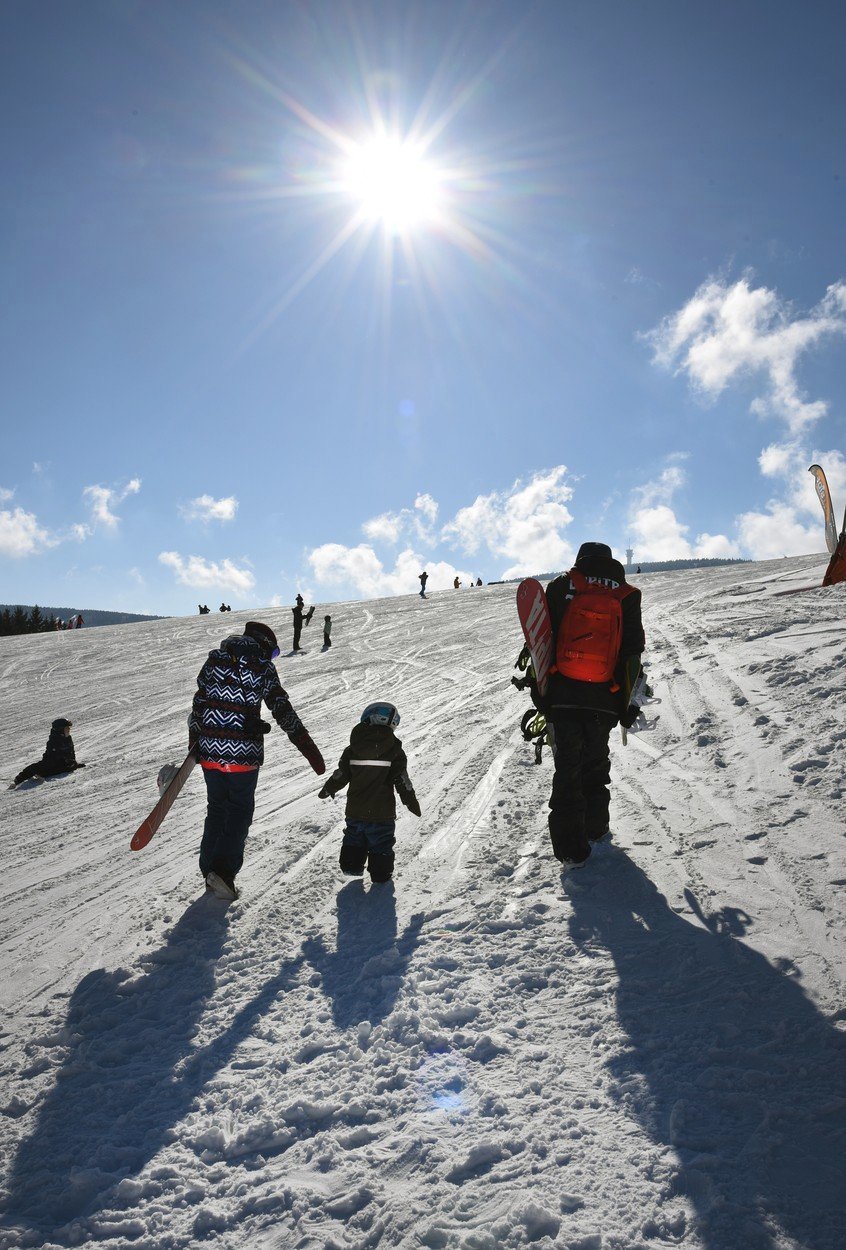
590	551
262	634
61	723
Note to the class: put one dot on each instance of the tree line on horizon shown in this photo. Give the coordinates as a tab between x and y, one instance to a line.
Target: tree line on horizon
18	621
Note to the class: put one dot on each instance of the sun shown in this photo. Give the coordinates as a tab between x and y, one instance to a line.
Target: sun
392	183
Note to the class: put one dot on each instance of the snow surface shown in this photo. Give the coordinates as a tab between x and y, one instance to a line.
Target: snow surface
648	1053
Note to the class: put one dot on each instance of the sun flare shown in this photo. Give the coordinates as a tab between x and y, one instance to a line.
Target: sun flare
392	183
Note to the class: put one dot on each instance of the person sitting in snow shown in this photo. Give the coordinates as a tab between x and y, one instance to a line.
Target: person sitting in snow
373	765
59	755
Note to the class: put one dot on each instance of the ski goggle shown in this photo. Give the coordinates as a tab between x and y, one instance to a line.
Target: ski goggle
274	655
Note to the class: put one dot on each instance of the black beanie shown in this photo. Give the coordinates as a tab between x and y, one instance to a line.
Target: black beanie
591	551
262	634
61	723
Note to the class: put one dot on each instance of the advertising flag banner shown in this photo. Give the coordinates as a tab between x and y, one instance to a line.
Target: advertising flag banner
824	496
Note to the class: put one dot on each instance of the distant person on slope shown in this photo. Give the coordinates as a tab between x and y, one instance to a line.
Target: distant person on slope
327	632
424	577
226	725
373	765
588	693
59	755
298	622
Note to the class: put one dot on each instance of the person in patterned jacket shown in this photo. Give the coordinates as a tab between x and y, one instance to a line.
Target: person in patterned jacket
373	765
226	729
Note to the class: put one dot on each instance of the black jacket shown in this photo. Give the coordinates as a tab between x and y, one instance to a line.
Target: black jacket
566	693
373	765
59	755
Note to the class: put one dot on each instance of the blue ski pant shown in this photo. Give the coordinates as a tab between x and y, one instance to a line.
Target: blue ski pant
229	814
368	842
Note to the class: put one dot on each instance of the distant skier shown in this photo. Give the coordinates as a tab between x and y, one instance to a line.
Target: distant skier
456	584
59	755
592	600
424	577
226	725
373	765
638	568
327	632
298	622
478	581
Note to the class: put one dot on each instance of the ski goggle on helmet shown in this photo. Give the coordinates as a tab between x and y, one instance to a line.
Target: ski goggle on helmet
380	714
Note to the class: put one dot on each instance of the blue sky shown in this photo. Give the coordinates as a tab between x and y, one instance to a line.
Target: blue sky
309	296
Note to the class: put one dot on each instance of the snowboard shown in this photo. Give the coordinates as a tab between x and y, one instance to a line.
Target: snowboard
309	615
533	611
641	693
149	826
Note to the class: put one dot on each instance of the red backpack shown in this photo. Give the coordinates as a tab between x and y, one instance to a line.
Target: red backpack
589	636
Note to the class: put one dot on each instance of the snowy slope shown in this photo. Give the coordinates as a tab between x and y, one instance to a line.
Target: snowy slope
648	1053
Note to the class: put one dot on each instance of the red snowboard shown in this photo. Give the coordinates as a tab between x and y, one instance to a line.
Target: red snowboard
533	611
149	826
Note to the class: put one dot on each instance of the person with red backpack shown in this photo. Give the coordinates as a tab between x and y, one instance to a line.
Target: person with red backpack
598	638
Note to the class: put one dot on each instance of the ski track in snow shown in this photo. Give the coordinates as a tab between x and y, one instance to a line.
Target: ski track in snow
484	1053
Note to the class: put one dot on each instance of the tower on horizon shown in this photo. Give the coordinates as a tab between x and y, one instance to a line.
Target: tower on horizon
629	559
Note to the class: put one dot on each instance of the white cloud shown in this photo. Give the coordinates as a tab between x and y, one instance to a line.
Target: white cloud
778	532
204	574
104	499
20	534
5	495
522	524
658	534
725	333
427	507
792	524
206	508
361	568
389	527
385	528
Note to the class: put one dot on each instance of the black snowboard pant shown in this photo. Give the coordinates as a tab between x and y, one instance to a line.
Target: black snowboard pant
42	770
368	842
578	805
298	629
229	814
327	641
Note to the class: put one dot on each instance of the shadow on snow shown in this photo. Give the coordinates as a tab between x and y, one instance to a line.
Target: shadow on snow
363	975
131	1073
729	1063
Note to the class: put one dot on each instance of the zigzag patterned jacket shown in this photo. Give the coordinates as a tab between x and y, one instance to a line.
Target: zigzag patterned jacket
225	715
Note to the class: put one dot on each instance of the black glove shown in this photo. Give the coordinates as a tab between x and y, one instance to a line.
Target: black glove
630	715
412	804
323	793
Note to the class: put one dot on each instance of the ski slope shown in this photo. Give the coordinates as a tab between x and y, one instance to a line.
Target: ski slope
483	1054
